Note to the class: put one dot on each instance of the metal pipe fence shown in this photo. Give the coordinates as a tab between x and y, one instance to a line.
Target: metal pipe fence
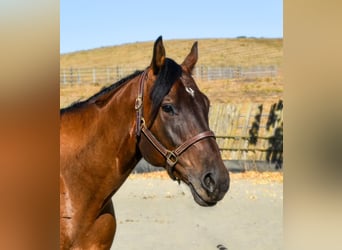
108	75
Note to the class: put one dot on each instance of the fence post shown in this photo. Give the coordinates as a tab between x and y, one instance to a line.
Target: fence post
64	77
94	75
117	72
244	142
196	73
201	72
274	71
108	75
78	76
71	76
208	73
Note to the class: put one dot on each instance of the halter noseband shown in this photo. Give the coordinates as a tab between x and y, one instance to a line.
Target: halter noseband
171	156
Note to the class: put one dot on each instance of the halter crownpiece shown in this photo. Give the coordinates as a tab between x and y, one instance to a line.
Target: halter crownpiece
190	91
171	156
139	103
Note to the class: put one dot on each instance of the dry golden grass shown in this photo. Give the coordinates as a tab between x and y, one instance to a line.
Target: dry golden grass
257	177
212	52
261	90
72	93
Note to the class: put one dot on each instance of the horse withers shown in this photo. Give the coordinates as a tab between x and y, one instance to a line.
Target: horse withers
158	114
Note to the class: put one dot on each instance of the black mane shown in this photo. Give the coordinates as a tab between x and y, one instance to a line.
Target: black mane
167	76
104	91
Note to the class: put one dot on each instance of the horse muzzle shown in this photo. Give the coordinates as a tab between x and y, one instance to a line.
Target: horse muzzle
210	189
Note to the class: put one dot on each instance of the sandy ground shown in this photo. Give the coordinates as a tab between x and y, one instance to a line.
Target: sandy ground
160	214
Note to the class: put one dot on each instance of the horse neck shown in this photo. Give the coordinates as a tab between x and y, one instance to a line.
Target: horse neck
103	139
118	122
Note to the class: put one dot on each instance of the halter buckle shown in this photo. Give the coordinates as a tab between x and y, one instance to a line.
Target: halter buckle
171	158
138	103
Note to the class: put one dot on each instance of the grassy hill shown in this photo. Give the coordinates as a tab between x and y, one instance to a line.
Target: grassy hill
243	52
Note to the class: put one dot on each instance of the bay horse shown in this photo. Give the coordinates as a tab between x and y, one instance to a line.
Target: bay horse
158	114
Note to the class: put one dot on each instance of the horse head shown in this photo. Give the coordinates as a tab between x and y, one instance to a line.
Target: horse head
173	128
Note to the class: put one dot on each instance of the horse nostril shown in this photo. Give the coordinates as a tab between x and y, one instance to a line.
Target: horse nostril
209	182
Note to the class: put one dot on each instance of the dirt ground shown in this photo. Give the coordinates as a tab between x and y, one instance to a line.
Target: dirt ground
157	213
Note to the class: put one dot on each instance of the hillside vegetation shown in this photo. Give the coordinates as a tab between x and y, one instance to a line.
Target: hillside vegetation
243	52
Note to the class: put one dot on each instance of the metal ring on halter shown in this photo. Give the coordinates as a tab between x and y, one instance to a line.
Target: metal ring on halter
171	158
142	123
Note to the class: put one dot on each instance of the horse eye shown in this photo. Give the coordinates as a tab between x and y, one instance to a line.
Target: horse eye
167	108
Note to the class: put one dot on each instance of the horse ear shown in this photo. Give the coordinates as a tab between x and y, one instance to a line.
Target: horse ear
158	59
191	59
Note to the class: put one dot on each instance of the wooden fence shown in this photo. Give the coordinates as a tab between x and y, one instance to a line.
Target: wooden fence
252	132
108	75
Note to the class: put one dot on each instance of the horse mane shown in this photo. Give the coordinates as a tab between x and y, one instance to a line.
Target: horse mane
100	97
167	76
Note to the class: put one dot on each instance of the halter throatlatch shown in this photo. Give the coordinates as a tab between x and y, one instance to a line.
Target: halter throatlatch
171	156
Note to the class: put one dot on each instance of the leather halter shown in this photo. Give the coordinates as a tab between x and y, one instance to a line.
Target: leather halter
171	156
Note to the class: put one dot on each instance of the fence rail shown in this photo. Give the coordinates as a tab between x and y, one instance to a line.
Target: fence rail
109	75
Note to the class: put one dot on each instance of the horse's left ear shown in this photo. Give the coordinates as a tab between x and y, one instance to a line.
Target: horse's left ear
191	59
158	59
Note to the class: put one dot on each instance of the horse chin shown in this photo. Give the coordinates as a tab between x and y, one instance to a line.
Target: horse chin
199	200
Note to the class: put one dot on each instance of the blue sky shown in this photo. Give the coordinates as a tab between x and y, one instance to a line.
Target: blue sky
92	24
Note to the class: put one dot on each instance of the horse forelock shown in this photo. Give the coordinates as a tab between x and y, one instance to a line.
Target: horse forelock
167	76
